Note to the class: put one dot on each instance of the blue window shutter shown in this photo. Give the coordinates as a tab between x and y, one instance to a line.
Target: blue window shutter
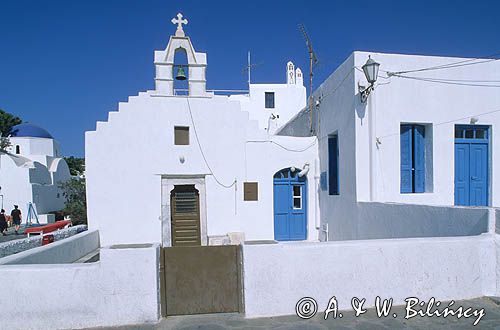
406	159
333	165
419	158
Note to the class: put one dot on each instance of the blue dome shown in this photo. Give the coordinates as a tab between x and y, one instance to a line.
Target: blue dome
29	130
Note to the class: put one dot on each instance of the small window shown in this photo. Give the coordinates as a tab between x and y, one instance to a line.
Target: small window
58	195
481	134
269	100
459	133
181	135
297	197
18	150
469	133
250	191
333	165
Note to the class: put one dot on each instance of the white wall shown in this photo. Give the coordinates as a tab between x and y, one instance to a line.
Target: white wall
335	114
120	289
276	276
37	180
397	100
66	250
127	156
289	99
390	220
14	180
372	174
30	146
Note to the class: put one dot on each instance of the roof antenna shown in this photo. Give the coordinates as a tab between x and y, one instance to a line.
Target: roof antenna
249	67
313	60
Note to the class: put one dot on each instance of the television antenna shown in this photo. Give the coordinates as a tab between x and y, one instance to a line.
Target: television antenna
313	60
249	67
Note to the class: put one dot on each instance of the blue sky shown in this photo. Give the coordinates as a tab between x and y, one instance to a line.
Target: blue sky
65	64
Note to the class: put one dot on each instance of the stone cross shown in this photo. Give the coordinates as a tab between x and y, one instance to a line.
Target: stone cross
179	21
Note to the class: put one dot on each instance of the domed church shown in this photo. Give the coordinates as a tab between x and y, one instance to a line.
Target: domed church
31	170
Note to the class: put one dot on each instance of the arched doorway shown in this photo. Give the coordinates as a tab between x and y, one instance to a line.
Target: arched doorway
290	205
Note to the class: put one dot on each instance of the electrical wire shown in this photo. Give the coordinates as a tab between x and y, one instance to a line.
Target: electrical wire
470	83
283	147
448	121
452	64
201	149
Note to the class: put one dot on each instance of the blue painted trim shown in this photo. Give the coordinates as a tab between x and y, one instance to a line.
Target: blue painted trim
468	199
285	216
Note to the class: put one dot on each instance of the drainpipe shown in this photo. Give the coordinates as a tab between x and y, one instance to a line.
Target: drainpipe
372	140
317	190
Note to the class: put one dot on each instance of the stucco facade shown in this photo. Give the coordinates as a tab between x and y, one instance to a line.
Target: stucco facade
369	138
133	162
31	171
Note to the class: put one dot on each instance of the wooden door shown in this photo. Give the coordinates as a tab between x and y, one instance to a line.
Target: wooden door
185	211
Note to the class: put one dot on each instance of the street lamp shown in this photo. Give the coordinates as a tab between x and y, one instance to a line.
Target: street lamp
370	69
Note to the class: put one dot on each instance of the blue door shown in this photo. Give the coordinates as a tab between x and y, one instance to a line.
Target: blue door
290	206
471	165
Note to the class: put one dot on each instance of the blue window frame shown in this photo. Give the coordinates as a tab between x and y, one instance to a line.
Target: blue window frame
412	158
333	165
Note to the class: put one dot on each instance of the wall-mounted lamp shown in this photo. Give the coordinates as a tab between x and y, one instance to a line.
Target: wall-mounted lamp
370	69
474	120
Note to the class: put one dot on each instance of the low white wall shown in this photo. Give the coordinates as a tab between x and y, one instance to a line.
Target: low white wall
63	251
23	244
276	276
393	220
120	289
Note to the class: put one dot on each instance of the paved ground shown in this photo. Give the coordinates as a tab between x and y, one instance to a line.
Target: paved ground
11	234
368	321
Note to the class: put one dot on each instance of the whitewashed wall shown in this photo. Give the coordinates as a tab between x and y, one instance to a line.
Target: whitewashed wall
127	156
277	276
395	101
64	250
36	181
289	99
120	289
398	100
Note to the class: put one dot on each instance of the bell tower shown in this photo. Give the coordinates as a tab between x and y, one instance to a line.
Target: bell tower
167	70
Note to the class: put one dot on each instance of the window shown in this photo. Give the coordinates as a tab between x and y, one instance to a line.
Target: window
297	197
471	132
333	165
250	191
18	150
269	100
412	158
181	135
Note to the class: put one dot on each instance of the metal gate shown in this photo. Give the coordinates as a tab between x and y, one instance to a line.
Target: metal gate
201	279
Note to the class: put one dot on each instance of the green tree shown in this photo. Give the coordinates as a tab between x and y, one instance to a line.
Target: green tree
7	121
76	200
76	165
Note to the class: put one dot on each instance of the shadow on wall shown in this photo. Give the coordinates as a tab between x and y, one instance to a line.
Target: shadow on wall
497	221
391	220
360	107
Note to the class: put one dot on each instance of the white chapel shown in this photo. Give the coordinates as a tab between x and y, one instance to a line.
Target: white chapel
200	168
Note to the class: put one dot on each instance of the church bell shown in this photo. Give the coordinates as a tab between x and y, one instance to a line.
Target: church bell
181	75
